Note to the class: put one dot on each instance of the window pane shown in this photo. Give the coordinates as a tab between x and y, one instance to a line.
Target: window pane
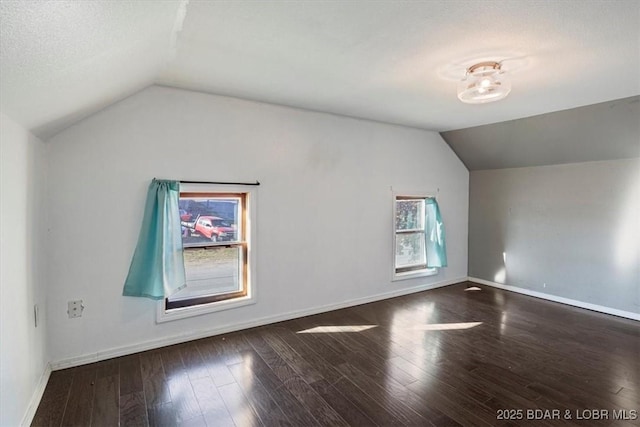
410	214
410	250
210	219
211	271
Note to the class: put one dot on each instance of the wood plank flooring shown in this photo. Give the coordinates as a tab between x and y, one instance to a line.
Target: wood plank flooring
446	357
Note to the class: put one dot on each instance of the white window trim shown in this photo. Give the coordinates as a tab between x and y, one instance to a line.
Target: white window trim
407	274
162	315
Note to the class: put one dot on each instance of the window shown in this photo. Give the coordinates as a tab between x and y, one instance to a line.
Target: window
217	250
410	253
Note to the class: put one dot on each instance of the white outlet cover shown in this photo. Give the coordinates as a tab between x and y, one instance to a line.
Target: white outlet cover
74	308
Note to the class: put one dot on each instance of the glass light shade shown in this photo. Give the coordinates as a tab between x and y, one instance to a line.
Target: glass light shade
484	82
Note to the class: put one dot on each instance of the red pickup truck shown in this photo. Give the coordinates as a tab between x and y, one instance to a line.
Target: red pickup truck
214	228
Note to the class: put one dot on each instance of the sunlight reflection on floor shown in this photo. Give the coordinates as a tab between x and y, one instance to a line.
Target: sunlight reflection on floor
334	329
447	326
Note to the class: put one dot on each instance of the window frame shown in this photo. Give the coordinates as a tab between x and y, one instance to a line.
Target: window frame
247	295
412	272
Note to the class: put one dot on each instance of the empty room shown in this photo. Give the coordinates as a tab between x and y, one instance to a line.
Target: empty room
305	213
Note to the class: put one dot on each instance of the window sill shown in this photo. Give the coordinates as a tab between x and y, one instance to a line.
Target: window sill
163	315
413	274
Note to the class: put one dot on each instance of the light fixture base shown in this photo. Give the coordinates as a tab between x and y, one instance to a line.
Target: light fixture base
484	82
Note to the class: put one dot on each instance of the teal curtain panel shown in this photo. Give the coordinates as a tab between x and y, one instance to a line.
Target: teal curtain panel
435	239
157	267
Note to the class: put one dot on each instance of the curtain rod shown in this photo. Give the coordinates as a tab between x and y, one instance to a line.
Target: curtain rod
220	183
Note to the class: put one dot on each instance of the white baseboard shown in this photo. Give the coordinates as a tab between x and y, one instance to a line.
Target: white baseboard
562	300
37	396
204	333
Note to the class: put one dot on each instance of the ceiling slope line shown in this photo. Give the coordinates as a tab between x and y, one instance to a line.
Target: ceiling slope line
181	14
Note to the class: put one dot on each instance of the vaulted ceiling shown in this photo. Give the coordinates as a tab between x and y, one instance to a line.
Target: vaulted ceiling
605	131
396	62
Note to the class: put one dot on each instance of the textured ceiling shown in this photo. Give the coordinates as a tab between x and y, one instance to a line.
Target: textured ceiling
390	61
62	60
605	131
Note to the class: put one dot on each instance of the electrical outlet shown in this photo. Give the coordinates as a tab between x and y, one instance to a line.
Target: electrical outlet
74	308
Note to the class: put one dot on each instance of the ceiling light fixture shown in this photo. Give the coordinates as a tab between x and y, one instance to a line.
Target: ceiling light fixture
484	82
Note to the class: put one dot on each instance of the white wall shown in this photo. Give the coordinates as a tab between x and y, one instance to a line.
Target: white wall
571	231
324	212
23	356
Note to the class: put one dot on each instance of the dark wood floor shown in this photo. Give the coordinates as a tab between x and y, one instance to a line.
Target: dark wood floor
450	356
